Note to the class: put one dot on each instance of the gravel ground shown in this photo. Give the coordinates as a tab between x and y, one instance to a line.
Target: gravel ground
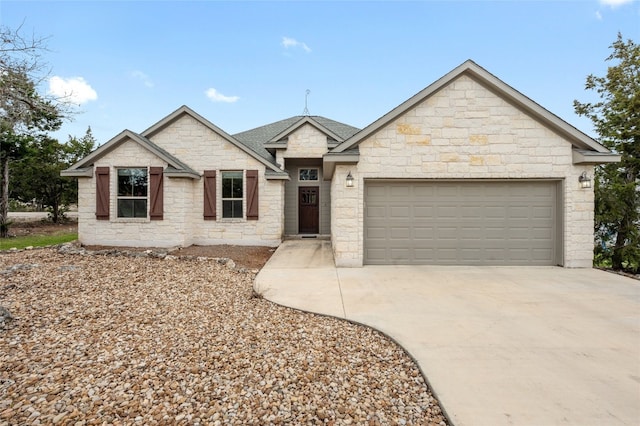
131	340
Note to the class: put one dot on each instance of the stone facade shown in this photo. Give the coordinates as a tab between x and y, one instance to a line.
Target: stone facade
463	131
183	223
306	142
466	126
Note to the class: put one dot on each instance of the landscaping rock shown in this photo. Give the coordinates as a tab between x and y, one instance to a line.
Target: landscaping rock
112	339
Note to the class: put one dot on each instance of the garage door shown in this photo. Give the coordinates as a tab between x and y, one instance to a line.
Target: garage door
462	223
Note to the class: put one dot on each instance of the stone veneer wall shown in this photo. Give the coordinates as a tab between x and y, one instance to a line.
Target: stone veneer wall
306	142
183	224
463	131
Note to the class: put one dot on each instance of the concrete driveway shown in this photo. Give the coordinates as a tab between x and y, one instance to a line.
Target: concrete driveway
498	345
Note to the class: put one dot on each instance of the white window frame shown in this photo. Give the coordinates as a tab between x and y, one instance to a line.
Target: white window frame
223	198
132	197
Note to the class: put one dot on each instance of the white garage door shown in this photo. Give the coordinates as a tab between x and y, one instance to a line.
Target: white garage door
462	223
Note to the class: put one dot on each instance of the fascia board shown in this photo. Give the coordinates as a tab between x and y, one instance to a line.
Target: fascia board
581	157
276	175
85	172
173	173
329	162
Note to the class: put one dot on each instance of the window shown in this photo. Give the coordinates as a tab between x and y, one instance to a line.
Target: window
308	174
132	193
232	194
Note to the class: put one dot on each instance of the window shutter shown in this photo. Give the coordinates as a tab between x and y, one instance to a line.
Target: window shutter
156	195
102	193
252	195
209	195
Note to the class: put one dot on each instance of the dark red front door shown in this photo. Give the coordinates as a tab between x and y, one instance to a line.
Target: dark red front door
308	210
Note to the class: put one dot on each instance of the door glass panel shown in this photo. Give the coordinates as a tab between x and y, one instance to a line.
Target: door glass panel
309	197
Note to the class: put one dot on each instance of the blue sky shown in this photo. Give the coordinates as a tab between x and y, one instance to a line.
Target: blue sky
245	64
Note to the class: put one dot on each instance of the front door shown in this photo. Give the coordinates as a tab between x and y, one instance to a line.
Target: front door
308	210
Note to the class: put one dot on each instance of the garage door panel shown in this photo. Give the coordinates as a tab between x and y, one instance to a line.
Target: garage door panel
378	233
447	233
423	254
519	254
377	255
446	254
494	212
422	211
542	213
423	233
518	212
400	233
376	212
472	233
447	211
461	222
399	191
399	253
541	254
399	212
542	234
447	191
423	191
376	191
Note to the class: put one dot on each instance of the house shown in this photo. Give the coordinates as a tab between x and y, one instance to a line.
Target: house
468	171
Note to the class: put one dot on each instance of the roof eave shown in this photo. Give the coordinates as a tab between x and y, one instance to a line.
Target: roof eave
83	172
276	145
330	160
273	175
175	173
583	157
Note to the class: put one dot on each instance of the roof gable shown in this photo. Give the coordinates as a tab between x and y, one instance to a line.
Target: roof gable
577	138
300	123
274	132
255	150
175	167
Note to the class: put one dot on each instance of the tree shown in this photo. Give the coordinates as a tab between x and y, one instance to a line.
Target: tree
36	176
616	118
23	111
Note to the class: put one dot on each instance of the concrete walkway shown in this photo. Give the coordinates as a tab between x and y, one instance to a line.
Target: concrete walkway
499	345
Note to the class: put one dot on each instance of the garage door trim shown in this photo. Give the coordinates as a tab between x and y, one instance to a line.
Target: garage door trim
545	225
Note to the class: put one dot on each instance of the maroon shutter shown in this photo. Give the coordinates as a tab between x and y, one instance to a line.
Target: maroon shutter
252	195
102	193
209	195
156	195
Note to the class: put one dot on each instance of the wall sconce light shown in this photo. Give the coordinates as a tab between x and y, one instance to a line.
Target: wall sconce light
585	181
349	180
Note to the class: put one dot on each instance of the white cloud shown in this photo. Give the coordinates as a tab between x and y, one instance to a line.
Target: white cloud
216	96
288	42
142	77
598	15
615	3
73	90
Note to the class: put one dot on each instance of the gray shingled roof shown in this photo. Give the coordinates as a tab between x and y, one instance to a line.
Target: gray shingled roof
263	134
